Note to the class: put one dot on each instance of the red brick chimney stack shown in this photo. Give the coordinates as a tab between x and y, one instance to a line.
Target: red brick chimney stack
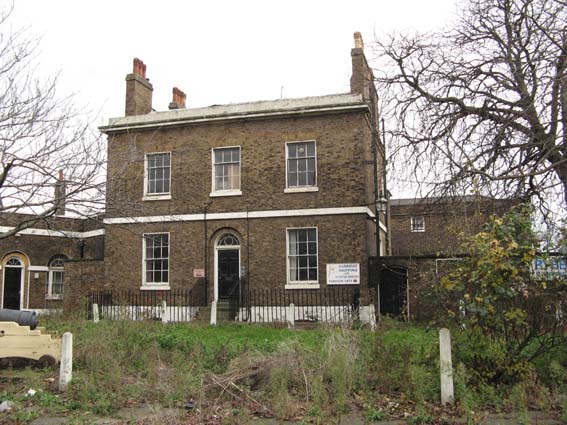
138	90
178	101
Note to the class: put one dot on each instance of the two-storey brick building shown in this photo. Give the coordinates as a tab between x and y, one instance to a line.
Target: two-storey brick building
268	193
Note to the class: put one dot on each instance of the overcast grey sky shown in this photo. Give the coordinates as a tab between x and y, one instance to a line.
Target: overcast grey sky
216	51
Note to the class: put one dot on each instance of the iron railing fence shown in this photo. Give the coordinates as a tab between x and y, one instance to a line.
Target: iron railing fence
176	305
306	305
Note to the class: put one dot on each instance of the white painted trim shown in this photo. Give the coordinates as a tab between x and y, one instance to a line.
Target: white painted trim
303	285
160	195
225	193
168	122
155	288
165	197
55	233
301	189
38	268
239	215
306	188
216	261
298	284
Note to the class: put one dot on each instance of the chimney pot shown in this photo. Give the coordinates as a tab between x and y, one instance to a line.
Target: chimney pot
358	43
178	99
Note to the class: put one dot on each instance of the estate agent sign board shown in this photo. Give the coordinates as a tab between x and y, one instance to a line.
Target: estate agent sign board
343	274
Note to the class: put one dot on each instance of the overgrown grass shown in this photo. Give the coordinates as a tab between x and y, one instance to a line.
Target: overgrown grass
319	374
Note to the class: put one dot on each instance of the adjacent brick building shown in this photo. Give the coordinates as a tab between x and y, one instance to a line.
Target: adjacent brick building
33	262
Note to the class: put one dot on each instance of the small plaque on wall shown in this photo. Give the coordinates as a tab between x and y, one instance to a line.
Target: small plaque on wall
343	274
198	272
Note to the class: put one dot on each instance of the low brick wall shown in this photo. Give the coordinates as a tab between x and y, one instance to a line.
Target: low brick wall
81	276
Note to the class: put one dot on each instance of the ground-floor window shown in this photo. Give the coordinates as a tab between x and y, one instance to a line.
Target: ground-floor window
156	259
55	277
302	255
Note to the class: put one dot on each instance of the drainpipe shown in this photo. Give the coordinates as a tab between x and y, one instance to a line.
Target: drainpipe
206	252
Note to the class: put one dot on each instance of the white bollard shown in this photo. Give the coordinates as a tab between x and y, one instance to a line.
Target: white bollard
372	318
164	311
66	367
291	315
446	366
214	313
95	313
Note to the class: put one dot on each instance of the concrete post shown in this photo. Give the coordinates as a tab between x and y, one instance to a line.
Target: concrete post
95	313
446	367
164	311
66	367
372	318
291	315
214	313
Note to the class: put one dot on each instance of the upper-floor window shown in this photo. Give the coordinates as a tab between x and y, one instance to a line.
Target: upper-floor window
158	175
226	171
417	223
156	261
55	277
302	256
301	166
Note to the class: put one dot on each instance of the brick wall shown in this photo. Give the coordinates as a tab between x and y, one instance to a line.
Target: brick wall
341	239
341	156
81	276
447	225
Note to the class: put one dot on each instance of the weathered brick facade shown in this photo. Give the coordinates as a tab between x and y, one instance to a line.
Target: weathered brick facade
35	247
194	217
447	222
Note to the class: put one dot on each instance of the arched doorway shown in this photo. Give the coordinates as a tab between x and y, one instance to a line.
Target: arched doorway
13	282
227	266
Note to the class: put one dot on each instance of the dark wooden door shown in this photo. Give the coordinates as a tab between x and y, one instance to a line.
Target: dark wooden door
12	287
228	272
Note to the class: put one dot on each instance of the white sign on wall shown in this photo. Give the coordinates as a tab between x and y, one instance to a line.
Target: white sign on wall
343	274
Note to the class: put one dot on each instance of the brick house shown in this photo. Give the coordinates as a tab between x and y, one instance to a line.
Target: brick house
268	193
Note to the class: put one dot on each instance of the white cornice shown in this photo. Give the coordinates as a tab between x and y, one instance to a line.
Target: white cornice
252	110
55	233
306	212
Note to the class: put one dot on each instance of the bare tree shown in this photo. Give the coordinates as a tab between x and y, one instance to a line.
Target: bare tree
482	107
50	159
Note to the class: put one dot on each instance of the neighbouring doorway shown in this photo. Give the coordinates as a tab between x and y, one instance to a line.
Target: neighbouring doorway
13	278
393	291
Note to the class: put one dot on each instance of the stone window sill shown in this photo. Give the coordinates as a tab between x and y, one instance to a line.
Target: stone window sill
156	197
165	287
301	189
225	193
303	286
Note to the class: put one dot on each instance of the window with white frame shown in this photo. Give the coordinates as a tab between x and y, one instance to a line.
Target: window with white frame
301	165
158	174
417	223
55	277
156	259
302	255
226	170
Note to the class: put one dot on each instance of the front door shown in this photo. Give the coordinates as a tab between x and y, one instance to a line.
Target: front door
12	287
228	272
